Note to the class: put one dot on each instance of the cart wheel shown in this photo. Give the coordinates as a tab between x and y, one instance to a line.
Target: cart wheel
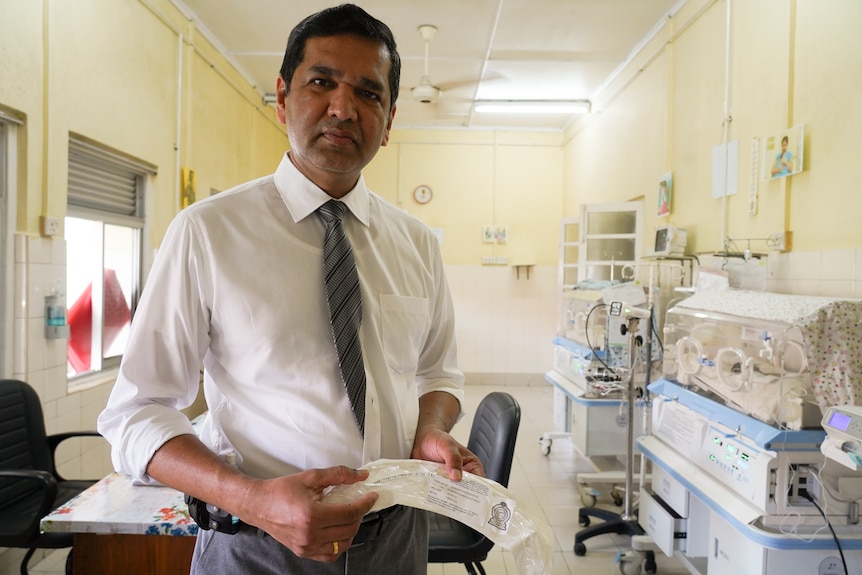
588	499
580	549
617	499
650	564
630	568
545	445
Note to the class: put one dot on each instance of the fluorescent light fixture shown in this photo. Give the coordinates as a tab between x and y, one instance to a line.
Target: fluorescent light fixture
532	106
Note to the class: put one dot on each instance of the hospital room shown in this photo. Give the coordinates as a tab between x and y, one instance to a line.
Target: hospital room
584	277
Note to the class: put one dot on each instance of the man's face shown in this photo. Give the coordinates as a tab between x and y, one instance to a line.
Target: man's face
337	111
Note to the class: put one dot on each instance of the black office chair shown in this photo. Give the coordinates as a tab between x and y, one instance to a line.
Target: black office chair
492	439
30	486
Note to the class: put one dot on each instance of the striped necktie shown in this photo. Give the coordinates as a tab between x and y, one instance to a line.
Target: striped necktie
345	306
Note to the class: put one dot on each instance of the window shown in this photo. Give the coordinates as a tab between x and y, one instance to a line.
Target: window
610	236
104	237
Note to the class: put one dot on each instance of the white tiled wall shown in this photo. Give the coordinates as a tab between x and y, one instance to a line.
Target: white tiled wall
829	273
40	267
835	273
504	323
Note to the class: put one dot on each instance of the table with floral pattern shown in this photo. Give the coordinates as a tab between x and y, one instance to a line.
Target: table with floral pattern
115	506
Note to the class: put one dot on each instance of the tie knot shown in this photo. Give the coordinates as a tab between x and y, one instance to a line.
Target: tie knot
332	211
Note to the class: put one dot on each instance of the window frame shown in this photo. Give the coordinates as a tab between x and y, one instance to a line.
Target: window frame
8	166
95	156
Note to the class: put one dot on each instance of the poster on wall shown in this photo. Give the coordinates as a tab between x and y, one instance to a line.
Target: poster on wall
783	153
665	191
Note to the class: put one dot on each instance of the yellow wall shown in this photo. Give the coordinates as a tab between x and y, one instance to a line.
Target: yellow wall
478	179
792	62
111	71
21	58
231	134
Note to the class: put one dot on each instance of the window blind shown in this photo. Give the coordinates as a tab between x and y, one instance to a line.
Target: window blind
105	182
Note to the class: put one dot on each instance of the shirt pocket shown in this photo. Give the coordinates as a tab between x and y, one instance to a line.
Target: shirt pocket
405	328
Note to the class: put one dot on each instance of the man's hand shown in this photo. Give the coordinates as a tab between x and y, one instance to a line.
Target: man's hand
290	510
438	412
437	445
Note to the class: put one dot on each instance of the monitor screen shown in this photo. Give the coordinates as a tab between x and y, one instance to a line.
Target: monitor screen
839	420
661	240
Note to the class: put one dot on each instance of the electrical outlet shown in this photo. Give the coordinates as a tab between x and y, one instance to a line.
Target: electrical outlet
495	260
798	486
780	241
50	226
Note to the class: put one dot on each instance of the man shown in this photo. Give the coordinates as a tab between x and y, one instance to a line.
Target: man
239	286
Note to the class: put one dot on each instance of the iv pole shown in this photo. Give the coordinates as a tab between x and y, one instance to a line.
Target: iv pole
625	523
632	327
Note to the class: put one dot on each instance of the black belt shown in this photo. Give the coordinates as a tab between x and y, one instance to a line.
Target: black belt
370	528
372	525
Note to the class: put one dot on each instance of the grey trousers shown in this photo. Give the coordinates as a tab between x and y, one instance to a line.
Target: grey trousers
401	548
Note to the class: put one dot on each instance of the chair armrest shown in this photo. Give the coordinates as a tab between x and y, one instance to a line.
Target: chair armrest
57	438
46	484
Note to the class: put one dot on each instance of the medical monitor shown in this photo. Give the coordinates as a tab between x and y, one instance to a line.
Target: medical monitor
669	241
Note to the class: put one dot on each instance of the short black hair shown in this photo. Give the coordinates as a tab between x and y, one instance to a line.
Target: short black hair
343	19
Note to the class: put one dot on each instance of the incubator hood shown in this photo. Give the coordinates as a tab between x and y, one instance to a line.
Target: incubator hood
779	358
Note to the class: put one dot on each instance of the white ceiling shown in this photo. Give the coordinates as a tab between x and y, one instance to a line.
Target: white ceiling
483	49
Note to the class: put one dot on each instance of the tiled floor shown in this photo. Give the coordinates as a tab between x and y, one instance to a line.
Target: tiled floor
547	484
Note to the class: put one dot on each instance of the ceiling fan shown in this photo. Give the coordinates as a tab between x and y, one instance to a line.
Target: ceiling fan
426	92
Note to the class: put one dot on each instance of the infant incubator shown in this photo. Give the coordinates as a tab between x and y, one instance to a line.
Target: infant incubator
778	358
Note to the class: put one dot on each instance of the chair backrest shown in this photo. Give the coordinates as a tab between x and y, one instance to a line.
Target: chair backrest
23	444
493	435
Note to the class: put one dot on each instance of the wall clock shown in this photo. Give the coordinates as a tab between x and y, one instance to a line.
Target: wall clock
422	194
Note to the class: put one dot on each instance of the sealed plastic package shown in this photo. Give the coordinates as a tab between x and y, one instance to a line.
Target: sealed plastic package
477	502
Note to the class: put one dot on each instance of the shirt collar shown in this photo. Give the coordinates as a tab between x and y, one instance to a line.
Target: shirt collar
302	196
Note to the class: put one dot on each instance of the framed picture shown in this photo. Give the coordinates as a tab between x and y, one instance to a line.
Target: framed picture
665	191
783	153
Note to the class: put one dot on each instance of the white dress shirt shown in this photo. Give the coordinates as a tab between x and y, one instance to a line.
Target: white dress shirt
238	286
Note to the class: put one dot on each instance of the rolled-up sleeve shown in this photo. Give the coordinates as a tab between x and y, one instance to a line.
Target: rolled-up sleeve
438	361
160	370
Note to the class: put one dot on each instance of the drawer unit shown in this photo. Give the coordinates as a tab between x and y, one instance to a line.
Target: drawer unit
670	491
666	528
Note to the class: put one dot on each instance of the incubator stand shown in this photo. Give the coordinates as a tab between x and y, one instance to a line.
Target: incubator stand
750	349
731	494
588	410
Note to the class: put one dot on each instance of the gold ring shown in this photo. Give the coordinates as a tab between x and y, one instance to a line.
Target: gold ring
335	547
